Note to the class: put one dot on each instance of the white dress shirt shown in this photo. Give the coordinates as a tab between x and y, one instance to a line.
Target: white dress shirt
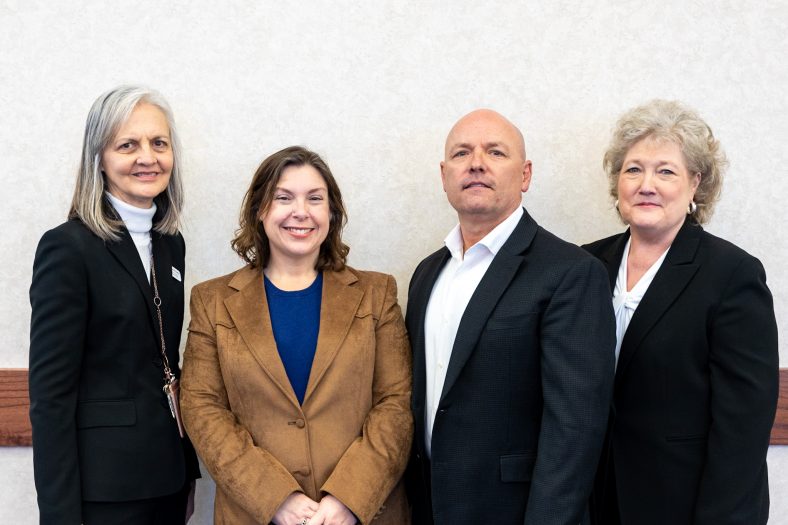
626	302
139	222
450	296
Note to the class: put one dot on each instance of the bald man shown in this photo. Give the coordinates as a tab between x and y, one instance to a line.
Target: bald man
513	341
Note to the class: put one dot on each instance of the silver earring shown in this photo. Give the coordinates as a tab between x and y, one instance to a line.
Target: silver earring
615	204
692	208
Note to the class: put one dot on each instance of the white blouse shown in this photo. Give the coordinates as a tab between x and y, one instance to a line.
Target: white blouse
626	302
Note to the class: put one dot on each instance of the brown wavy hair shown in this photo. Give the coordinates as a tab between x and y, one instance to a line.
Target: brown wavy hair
251	242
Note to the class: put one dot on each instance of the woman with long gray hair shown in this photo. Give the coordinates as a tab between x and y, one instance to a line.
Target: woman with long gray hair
107	310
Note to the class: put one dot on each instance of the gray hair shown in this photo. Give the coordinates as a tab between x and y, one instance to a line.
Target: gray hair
89	204
672	121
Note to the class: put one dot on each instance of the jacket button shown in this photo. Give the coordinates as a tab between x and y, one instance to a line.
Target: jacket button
300	423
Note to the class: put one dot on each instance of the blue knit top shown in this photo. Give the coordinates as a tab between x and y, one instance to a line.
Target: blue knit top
295	319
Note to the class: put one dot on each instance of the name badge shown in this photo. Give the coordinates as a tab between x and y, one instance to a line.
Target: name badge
176	274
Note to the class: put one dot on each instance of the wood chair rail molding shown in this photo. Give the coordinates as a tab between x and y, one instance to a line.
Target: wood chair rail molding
780	427
14	407
15	423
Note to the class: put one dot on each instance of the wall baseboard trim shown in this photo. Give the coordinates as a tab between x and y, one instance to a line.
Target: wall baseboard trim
15	423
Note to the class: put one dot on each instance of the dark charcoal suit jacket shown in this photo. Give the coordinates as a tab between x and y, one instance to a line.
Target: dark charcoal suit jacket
695	390
524	407
102	430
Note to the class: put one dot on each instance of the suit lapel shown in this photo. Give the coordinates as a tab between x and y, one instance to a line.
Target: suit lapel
163	264
673	276
422	287
128	257
612	258
249	310
162	261
338	307
490	289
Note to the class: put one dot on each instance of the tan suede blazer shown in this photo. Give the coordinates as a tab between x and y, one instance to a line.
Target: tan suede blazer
351	438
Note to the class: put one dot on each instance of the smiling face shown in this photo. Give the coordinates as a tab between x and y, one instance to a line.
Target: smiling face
655	188
137	162
484	171
296	221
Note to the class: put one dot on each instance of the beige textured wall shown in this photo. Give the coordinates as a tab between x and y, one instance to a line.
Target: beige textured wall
374	87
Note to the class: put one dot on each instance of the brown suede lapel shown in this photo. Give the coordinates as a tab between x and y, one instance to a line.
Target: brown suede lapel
249	310
338	309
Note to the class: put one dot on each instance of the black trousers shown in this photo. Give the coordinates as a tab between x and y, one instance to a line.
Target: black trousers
164	510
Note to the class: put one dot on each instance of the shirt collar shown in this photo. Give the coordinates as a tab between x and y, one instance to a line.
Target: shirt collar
493	241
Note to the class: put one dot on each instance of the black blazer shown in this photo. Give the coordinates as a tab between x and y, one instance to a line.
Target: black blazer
102	430
695	390
522	415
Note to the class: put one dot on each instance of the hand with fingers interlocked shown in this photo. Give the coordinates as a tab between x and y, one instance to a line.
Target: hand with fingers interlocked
332	512
296	509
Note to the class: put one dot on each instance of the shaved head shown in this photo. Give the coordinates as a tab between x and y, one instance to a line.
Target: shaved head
488	117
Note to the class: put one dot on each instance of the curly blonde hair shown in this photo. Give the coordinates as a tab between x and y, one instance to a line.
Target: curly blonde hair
672	121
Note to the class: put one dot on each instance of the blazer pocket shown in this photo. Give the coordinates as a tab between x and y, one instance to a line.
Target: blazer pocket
517	468
108	413
363	311
227	335
225	322
510	322
687	438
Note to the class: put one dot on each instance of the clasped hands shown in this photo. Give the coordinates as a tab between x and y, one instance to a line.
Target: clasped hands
300	509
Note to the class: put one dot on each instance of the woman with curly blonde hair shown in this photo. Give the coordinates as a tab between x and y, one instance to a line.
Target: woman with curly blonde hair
697	363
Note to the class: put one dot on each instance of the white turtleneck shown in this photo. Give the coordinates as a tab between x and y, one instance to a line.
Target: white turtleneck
139	222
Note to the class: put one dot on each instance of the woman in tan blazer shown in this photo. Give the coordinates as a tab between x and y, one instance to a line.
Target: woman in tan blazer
296	375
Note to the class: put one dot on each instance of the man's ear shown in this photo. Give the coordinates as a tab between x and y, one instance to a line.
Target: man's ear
527	172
